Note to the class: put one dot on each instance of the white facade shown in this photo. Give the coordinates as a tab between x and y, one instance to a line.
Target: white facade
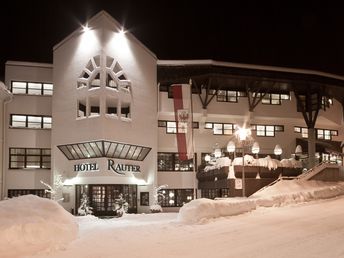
105	92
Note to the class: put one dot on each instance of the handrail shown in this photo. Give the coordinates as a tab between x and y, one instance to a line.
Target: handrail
315	170
276	181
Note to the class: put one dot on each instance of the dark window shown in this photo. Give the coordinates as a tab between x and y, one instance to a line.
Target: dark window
29	158
175	197
213	193
19	192
144	198
169	161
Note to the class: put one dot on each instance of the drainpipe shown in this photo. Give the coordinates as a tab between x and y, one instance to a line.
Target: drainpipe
7	100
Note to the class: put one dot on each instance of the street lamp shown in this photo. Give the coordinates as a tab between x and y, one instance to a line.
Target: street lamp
231	147
243	135
255	149
278	150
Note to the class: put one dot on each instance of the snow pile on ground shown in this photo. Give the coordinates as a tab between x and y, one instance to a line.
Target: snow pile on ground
281	194
30	224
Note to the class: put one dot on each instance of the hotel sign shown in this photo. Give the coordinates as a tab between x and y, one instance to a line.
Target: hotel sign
86	167
112	166
122	168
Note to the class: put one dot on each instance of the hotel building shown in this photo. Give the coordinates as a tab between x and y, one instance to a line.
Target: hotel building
100	120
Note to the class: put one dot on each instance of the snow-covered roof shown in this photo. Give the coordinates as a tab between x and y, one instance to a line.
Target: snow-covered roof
247	66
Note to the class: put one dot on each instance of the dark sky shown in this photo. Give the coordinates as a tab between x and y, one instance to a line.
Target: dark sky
302	35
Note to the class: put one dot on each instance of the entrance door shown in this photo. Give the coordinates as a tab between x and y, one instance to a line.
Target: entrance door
102	197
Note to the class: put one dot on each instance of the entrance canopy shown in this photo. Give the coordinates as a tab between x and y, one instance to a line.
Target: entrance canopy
102	148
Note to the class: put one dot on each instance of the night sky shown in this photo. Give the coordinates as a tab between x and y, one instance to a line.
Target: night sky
297	35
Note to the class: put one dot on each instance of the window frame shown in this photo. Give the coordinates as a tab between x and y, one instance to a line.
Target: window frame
211	125
178	197
164	124
175	161
276	128
26	121
43	90
26	158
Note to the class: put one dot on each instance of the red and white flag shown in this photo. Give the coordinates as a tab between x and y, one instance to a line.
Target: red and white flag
183	115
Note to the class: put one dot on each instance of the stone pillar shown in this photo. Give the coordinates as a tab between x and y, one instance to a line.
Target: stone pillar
311	147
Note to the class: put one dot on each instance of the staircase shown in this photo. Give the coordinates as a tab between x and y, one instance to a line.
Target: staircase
315	170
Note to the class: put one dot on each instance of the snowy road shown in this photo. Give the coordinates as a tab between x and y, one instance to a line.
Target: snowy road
314	229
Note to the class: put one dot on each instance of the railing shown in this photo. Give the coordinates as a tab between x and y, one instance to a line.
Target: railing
315	170
276	181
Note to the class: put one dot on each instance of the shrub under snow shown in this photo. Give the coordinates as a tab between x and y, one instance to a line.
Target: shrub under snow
29	224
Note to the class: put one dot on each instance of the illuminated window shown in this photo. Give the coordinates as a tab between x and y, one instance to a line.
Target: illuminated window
273	98
169	161
220	128
30	121
229	96
171	126
32	88
267	130
175	197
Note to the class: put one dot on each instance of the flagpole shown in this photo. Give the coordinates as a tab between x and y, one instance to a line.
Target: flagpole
193	145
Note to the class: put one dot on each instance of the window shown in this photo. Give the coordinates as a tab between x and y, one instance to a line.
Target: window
94	107
220	128
125	110
212	193
322	134
82	108
267	130
32	88
171	126
326	102
19	192
175	197
29	158
229	96
169	161
30	121
273	98
111	106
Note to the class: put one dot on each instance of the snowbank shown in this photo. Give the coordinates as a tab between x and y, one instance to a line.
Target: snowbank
280	194
29	224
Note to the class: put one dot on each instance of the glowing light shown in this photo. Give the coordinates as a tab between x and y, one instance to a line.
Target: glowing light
85	28
243	133
298	149
122	32
278	150
231	146
217	153
207	158
255	148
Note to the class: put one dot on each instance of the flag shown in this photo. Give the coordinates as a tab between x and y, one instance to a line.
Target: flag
183	115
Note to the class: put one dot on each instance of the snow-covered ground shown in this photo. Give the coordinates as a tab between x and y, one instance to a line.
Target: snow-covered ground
282	225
